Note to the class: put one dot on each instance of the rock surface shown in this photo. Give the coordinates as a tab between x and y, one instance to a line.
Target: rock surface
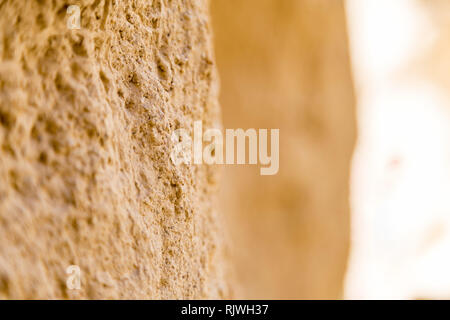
285	64
85	176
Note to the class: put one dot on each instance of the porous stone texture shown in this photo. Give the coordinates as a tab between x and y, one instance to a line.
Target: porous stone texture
285	64
86	179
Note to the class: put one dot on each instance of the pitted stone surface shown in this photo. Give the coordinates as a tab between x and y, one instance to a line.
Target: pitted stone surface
85	174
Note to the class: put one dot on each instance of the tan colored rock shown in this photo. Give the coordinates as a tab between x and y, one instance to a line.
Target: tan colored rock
285	64
85	176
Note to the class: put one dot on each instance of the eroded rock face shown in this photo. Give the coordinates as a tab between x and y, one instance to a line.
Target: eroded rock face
285	64
85	175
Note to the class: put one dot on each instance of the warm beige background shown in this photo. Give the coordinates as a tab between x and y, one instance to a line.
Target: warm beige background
285	64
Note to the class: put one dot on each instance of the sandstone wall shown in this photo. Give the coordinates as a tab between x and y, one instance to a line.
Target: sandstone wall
85	176
284	64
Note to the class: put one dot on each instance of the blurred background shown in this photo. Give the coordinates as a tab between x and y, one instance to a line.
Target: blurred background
285	64
359	89
401	169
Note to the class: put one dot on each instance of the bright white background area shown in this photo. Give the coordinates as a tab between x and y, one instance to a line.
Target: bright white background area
401	170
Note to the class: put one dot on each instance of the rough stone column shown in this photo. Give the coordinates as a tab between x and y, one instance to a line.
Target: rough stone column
85	176
285	64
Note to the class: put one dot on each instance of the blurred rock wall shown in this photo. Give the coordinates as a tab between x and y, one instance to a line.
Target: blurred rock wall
85	176
285	64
